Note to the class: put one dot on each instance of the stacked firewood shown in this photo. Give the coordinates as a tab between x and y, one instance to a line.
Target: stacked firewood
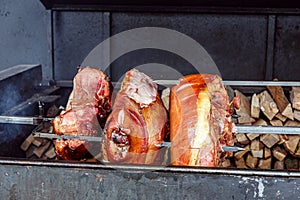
38	148
271	107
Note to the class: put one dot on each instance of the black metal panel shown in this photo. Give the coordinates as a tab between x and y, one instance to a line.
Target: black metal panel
287	51
75	35
17	84
222	3
236	43
54	182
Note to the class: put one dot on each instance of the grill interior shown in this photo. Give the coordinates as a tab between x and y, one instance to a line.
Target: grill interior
260	55
249	42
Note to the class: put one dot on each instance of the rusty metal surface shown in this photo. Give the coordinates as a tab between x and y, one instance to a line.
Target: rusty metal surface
73	181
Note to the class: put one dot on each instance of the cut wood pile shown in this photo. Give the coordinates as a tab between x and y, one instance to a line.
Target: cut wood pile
271	107
38	148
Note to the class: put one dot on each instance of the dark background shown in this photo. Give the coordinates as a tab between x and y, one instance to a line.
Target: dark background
245	46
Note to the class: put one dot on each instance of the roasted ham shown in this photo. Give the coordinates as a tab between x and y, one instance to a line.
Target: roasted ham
138	122
88	107
200	121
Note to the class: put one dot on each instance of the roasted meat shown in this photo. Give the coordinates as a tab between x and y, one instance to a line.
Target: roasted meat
88	107
200	121
138	122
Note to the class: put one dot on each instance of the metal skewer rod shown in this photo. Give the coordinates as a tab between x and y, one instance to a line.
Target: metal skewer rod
239	83
71	137
99	139
69	83
288	130
23	120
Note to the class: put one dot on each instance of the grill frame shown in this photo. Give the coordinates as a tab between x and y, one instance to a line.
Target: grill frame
23	179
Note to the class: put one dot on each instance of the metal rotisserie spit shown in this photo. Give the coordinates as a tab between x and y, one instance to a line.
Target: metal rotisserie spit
262	163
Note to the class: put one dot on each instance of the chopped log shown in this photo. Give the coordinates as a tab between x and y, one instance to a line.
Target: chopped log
291	163
291	144
282	102
91	160
238	155
244	111
235	140
258	153
297	114
29	151
281	117
267	153
297	153
226	163
252	136
295	97
246	124
165	97
241	163
269	139
256	145
260	122
52	111
257	149
241	138
291	123
37	142
40	151
255	108
279	165
279	153
245	119
27	142
282	139
251	161
265	163
276	122
268	105
50	153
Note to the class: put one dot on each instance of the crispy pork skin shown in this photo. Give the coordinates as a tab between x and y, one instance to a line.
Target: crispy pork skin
88	107
200	121
138	122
